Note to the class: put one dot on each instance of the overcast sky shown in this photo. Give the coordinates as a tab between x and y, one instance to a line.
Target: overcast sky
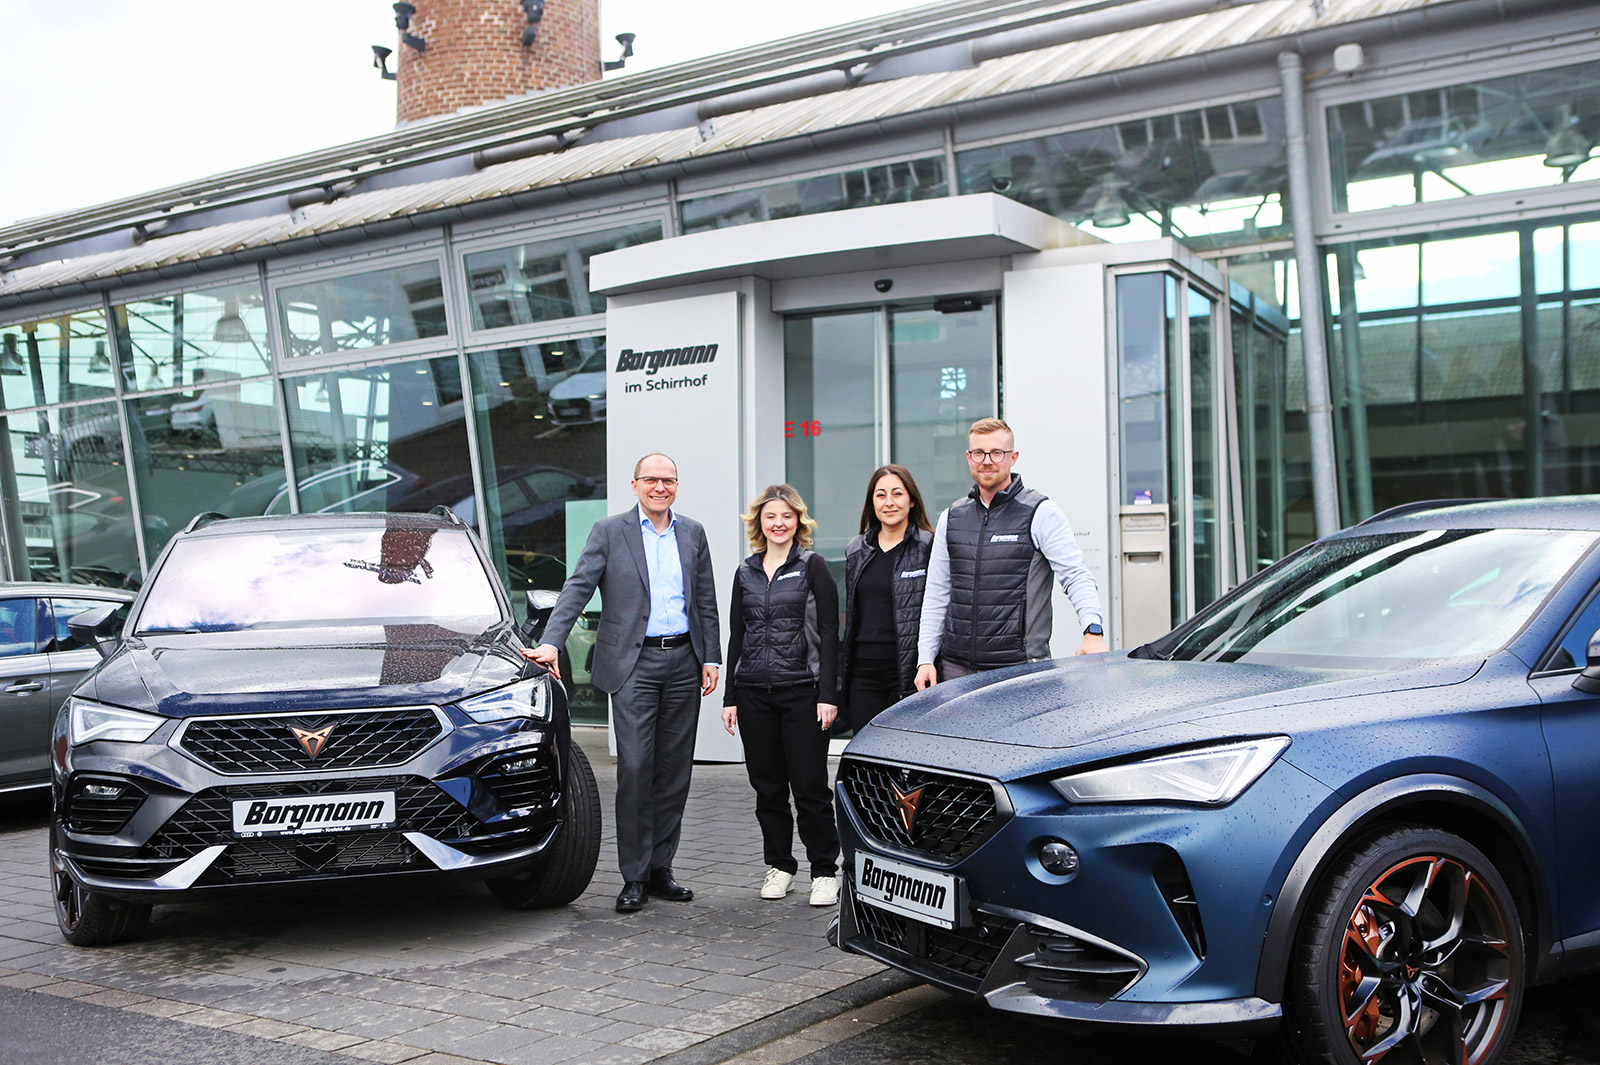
101	99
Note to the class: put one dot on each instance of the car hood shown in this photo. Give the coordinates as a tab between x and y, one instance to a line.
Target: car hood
293	670
579	386
1095	699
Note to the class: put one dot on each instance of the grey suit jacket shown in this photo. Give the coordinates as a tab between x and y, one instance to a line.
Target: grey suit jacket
613	561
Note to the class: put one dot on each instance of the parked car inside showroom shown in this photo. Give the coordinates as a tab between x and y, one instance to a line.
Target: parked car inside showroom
305	702
1349	810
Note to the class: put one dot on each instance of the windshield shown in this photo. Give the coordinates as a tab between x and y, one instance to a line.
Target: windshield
373	576
1414	595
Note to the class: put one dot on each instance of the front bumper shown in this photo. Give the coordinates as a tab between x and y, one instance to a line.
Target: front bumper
1161	925
459	813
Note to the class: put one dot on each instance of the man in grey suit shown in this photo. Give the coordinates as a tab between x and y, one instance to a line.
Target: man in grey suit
657	653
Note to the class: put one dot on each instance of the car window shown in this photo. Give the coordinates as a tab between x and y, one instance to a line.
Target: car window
67	609
370	575
1573	650
18	627
1442	593
547	485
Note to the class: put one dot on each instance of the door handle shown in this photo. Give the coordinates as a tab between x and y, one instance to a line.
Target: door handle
24	687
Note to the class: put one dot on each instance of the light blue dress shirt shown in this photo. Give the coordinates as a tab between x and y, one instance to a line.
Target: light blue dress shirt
668	616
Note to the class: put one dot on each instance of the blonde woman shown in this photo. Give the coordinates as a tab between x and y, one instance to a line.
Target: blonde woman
783	653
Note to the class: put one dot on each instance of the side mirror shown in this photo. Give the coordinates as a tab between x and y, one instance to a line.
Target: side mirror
541	603
95	628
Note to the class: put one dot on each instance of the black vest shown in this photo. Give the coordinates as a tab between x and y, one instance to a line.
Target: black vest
909	580
780	624
991	550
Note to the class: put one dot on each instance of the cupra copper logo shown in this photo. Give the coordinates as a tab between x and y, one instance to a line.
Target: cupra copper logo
311	741
905	803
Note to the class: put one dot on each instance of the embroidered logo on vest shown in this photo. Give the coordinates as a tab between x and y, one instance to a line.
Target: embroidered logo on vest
909	573
1005	538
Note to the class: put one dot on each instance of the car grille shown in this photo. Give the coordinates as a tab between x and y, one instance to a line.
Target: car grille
965	954
368	739
954	815
100	814
207	819
1066	967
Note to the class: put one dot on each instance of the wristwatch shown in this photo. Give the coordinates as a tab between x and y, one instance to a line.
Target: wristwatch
1094	630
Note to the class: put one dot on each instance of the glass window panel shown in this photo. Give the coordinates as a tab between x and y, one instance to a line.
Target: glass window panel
365	310
1496	135
193	338
55	360
1205	478
543	281
1142	387
371	439
942	379
72	501
215	449
18	627
1210	179
541	422
831	366
916	179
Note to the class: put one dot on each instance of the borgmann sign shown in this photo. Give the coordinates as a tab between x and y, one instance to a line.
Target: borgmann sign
651	362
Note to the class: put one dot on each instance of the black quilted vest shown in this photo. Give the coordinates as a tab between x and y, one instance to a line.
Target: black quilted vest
991	550
778	648
909	580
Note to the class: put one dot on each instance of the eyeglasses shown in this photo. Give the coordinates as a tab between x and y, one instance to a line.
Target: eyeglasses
651	482
993	456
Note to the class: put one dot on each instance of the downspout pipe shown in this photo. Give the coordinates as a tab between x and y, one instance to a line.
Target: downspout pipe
1313	340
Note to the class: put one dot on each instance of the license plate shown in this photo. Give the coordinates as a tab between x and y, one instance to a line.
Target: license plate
302	815
906	889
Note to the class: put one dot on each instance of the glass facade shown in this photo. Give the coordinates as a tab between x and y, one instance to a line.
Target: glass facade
367	310
1464	364
55	360
1210	177
1496	135
192	339
539	282
915	179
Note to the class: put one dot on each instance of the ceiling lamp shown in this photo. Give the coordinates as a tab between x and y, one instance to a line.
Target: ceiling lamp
1567	146
1110	209
230	327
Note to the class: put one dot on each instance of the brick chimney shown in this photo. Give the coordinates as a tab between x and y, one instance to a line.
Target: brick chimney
475	54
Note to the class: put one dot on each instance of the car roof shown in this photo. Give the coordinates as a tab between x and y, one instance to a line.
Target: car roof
321	522
62	590
1580	513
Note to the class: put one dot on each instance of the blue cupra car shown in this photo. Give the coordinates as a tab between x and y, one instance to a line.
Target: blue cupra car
1351	810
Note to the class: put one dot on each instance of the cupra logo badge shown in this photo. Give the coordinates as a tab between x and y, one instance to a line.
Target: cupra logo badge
313	742
905	803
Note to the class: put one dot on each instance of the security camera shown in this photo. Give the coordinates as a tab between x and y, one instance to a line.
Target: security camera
1000	182
883	284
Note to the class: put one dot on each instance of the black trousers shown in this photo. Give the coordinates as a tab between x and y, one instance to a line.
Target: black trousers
785	751
874	686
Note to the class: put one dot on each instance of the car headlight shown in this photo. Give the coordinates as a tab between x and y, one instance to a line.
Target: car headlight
95	721
1210	776
528	698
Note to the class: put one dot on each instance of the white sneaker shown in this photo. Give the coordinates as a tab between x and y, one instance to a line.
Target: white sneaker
824	891
777	884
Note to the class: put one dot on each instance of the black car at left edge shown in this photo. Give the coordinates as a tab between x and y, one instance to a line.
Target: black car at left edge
308	702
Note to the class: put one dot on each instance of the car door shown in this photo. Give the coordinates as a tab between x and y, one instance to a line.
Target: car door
1571	721
24	695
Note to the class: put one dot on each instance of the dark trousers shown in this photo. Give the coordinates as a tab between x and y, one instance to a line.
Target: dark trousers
874	686
655	715
785	751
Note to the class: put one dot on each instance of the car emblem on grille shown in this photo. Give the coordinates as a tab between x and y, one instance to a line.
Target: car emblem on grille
905	803
313	742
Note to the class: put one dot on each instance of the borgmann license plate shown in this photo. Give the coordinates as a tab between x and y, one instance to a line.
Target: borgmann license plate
905	889
307	814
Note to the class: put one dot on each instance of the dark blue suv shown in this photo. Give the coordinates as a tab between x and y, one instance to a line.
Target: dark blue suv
1354	805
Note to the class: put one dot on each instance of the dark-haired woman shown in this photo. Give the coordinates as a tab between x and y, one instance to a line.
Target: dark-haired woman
885	571
783	657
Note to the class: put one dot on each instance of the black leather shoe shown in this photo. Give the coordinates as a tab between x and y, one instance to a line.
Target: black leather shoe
662	886
632	897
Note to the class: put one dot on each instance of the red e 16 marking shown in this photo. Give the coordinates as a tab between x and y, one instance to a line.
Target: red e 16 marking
807	428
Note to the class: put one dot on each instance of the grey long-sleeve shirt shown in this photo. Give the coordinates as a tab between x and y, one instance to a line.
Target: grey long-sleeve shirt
1052	536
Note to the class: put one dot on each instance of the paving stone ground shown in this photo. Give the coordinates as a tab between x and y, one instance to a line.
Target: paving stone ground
446	975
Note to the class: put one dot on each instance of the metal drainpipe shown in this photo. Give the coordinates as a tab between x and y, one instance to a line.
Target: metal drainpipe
1313	343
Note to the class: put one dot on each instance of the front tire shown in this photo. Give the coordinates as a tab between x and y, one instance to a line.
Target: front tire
1412	952
567	867
89	918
